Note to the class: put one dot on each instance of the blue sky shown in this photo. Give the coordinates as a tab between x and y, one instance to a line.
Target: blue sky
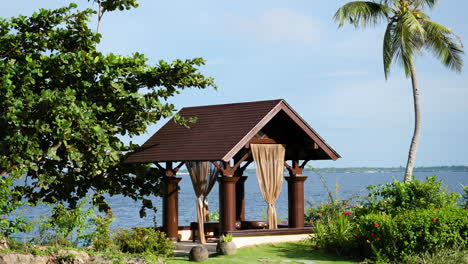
258	50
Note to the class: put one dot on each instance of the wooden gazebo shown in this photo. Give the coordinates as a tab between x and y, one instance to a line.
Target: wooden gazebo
222	135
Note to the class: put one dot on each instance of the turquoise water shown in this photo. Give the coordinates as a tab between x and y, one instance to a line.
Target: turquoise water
127	210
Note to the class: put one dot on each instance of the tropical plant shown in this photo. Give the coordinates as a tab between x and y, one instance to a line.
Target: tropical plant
465	196
396	197
101	237
142	239
226	238
334	233
10	201
214	215
408	32
65	106
409	233
66	227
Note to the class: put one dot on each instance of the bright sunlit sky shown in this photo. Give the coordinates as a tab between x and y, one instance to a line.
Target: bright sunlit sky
259	50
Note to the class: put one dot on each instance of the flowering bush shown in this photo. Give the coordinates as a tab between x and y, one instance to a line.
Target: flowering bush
396	222
410	233
147	240
326	210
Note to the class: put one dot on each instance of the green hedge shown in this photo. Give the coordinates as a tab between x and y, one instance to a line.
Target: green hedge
408	233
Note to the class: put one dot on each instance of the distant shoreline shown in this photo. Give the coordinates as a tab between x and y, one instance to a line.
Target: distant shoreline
378	169
393	169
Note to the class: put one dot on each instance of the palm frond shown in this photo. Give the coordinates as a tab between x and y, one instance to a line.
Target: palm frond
389	2
444	44
388	48
413	25
405	43
361	13
423	3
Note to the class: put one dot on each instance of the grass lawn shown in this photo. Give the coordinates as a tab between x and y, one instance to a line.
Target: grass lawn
287	253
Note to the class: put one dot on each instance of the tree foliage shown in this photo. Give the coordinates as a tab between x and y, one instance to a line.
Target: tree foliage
112	5
65	105
409	30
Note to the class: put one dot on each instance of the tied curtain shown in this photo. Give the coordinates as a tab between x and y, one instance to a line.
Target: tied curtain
203	175
269	164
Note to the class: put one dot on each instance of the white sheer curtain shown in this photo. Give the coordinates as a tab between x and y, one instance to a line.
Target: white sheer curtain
269	165
203	175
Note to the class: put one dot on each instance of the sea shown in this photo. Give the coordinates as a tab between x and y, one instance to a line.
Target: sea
344	186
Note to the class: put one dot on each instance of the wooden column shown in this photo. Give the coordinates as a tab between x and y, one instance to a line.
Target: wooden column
296	201
170	200
240	198
171	207
227	203
296	194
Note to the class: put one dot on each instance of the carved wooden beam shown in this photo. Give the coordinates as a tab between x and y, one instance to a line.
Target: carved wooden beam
246	164
287	166
169	171
159	167
179	166
217	165
304	163
238	163
295	169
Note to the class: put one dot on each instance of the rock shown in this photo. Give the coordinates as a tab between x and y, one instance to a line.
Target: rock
198	253
226	248
23	259
4	244
75	256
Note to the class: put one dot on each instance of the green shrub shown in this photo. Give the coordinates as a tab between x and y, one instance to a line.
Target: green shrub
398	197
395	223
465	196
214	215
333	207
144	240
334	234
326	210
101	238
443	256
65	227
10	201
410	233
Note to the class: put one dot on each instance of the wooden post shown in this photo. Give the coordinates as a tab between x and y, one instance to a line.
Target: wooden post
296	194
240	198
296	201
227	203
170	201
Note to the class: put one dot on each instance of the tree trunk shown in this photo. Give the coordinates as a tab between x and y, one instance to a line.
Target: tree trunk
100	14
417	127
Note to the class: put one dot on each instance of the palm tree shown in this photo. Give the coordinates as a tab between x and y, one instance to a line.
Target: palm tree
408	32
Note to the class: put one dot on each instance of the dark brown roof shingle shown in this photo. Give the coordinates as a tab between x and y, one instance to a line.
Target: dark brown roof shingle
219	133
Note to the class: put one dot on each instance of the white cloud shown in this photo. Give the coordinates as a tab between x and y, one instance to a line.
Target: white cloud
278	24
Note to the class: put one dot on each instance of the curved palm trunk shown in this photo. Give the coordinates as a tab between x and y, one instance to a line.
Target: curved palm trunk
100	14
417	127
